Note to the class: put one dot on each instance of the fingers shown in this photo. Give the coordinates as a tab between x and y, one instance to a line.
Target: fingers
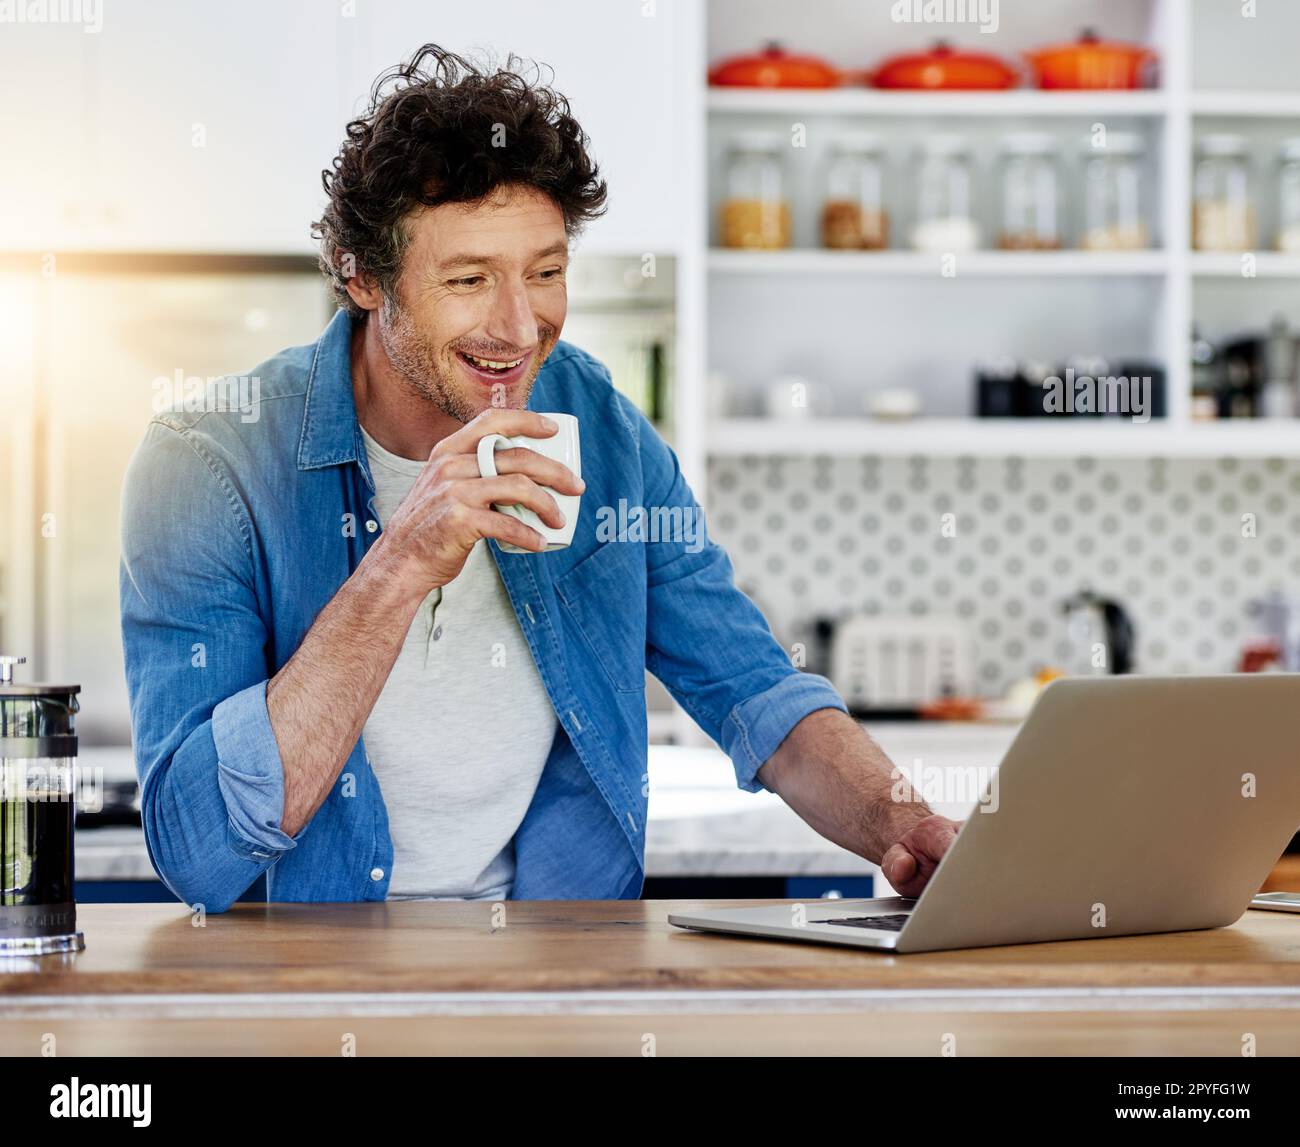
495	420
514	489
909	864
490	524
518	460
898	865
931	835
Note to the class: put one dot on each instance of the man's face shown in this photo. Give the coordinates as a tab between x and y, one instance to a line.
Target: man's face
480	302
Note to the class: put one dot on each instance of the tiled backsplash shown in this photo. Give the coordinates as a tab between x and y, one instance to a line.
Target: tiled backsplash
1168	539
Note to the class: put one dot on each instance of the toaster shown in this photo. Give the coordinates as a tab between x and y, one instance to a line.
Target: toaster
901	663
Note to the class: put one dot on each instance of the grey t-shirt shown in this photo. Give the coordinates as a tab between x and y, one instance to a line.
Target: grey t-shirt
462	728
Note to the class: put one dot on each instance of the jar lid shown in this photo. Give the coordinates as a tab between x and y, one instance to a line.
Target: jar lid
946	144
1117	143
1221	144
857	141
1029	143
756	140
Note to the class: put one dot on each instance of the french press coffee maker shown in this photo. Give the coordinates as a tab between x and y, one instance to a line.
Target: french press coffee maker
38	753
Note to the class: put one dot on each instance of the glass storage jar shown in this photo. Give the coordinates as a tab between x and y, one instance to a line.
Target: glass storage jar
853	211
755	212
1223	213
1114	196
945	215
1288	197
38	753
1030	181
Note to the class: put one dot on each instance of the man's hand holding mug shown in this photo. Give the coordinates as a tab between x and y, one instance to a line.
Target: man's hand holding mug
525	464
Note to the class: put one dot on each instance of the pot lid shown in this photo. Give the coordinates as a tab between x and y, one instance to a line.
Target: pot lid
1089	41
944	66
943	52
11	688
773	67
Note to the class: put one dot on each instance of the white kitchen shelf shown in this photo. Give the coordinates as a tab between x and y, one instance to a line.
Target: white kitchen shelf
1228	265
999	437
874	102
1018	263
1159	283
1246	105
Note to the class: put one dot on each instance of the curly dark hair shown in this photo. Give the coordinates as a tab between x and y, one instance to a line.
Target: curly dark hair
434	133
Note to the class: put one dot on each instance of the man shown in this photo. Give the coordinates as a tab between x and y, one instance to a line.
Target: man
337	676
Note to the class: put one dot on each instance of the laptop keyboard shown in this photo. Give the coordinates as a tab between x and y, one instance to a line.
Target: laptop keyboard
879	923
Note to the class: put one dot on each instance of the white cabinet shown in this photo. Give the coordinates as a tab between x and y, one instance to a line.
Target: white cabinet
44	191
181	127
221	146
200	127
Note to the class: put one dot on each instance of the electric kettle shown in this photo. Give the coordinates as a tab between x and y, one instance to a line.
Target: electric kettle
1100	634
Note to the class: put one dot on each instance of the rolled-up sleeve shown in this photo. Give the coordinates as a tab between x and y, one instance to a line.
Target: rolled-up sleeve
195	645
250	772
706	640
755	728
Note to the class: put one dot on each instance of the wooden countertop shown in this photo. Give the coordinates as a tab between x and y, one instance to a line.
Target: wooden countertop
580	976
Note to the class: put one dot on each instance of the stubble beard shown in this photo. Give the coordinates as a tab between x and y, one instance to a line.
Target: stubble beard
432	375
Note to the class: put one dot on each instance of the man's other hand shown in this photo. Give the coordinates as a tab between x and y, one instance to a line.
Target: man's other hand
910	861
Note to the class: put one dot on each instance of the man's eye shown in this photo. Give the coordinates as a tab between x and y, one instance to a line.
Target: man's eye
552	273
469	281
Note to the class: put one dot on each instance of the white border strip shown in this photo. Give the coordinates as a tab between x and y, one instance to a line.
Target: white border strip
303	1005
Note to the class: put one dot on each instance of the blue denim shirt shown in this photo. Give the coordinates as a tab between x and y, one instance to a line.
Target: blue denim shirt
237	531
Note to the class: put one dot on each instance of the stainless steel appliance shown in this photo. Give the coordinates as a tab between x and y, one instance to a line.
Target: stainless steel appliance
38	752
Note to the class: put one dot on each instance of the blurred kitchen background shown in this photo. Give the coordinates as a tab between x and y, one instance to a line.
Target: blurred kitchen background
847	245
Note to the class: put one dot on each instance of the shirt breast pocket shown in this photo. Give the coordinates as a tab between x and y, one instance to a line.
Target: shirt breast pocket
605	596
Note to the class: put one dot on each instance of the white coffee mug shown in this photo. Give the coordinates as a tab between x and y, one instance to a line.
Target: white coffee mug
563	447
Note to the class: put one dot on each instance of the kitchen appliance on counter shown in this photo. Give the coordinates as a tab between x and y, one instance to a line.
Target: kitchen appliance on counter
1088	386
897	666
38	751
1255	375
1100	633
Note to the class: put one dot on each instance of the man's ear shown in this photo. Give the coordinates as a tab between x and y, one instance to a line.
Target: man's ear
363	288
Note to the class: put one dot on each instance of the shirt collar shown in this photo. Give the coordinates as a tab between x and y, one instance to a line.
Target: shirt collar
331	432
329	420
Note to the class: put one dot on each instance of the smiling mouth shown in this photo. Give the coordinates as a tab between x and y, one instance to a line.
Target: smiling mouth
492	365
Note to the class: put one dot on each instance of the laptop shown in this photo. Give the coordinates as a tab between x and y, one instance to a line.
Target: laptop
1125	805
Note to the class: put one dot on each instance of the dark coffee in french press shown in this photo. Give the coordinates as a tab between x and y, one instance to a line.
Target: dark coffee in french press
38	754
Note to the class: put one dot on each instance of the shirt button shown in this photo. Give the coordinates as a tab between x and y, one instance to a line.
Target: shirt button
376	874
437	633
371	525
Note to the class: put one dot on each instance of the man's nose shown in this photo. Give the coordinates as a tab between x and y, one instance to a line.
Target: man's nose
512	320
